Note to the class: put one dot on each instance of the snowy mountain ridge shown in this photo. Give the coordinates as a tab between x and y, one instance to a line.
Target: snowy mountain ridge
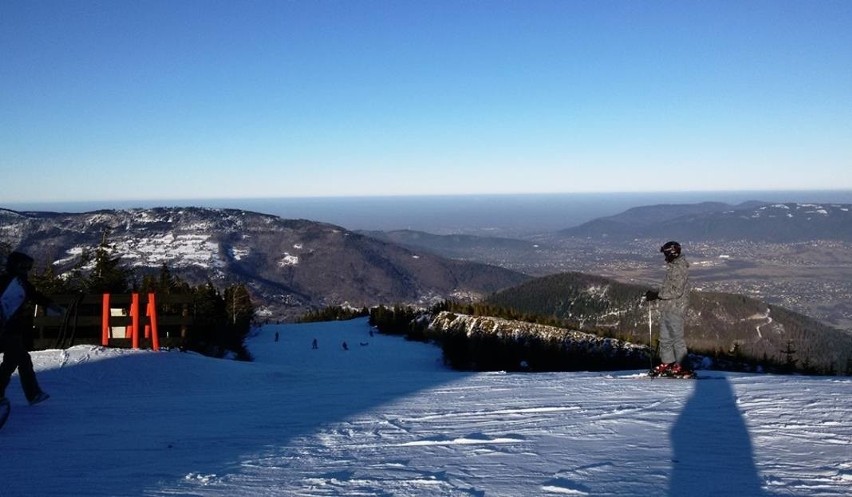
754	221
290	265
182	237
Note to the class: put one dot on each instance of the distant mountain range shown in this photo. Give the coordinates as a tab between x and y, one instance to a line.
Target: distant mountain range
751	221
708	221
290	265
791	254
296	265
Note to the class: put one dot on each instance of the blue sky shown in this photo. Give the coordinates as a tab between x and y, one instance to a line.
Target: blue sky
104	100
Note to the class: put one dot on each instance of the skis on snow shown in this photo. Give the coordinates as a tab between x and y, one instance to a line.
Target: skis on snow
687	375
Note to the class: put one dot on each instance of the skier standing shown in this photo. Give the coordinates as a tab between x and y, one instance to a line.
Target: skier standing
15	291
674	297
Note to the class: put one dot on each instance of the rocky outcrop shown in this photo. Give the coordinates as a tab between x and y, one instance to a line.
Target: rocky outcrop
522	345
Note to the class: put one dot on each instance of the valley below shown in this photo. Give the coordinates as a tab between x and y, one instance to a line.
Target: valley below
813	278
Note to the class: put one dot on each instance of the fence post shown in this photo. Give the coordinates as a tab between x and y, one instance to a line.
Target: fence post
152	317
134	316
105	320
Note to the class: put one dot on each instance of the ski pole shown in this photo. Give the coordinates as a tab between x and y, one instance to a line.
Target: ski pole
650	337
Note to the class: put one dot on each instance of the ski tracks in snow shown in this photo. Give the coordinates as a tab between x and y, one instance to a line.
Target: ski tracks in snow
796	427
494	434
389	420
564	434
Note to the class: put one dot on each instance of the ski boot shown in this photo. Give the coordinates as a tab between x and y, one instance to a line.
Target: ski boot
661	369
678	371
40	397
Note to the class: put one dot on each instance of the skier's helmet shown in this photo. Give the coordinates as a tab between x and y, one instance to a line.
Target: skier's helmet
671	250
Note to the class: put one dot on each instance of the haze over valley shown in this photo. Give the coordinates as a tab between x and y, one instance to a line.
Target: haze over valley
806	271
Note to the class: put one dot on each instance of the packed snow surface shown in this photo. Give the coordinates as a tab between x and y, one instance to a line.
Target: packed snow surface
386	418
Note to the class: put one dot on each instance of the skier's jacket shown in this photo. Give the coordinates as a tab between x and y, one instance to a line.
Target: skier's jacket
674	292
15	291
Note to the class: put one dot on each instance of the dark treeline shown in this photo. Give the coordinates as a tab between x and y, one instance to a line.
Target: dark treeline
333	313
221	320
490	353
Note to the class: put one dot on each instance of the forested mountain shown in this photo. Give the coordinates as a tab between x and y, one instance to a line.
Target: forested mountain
716	322
290	266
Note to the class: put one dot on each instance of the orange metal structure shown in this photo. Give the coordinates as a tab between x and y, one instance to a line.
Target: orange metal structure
151	329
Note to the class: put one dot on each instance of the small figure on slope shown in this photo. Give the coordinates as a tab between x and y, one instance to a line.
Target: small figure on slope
674	297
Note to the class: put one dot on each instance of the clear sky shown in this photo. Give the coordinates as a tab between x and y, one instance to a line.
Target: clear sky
125	99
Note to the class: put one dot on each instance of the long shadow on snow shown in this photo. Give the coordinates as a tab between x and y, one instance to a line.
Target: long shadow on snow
149	424
712	447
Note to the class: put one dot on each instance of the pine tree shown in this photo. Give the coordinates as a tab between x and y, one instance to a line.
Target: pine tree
210	320
5	250
107	275
790	361
49	283
239	307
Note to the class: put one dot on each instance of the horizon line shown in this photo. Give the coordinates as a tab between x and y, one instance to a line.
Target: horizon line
425	195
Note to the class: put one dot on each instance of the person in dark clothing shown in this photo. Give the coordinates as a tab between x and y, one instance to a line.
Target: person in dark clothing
674	297
15	292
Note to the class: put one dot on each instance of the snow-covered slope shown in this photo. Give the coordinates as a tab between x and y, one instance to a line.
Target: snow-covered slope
386	418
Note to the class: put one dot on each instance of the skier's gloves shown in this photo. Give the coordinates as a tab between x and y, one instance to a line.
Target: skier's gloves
651	295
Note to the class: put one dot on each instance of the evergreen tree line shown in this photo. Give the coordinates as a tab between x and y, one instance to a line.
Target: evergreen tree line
333	313
221	320
402	320
534	353
489	353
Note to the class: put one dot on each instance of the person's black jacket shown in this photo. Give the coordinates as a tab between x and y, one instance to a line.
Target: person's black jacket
22	319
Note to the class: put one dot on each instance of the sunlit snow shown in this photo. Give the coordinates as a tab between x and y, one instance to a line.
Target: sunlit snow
385	418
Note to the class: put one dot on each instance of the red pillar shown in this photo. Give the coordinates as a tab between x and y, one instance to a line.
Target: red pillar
152	317
134	316
105	320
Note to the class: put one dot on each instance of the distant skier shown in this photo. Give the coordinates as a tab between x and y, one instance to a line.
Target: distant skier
674	297
15	292
276	336
345	346
314	344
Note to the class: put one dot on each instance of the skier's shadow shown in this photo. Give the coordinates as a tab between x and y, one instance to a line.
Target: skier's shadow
712	447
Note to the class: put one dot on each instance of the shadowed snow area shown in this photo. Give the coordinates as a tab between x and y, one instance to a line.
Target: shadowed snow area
386	418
